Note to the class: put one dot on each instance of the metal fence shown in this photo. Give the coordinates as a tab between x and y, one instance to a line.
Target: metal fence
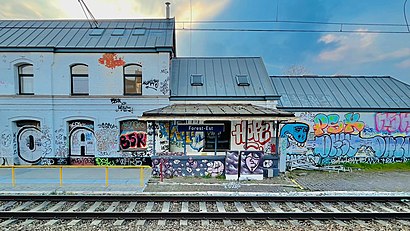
70	174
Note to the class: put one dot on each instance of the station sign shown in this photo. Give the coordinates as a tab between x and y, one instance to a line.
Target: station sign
201	127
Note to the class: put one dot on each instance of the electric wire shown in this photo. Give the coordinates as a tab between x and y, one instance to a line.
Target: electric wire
405	15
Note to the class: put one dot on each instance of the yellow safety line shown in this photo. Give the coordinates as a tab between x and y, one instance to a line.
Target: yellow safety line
297	184
13	177
61	176
141	177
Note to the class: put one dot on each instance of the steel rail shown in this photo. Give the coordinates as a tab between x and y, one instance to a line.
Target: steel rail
44	215
206	198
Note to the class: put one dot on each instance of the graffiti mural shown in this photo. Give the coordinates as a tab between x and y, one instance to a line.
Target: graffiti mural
348	137
251	162
258	137
295	134
82	138
188	166
392	122
111	60
133	135
332	124
107	139
33	144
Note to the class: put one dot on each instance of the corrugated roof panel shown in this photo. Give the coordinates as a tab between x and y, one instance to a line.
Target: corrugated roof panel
71	34
33	36
379	96
200	69
243	70
77	38
300	92
220	77
392	94
209	72
220	86
369	97
284	99
310	95
11	40
122	41
291	92
336	93
343	93
5	34
354	94
57	39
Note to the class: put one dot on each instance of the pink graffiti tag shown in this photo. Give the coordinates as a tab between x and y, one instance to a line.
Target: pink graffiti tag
392	122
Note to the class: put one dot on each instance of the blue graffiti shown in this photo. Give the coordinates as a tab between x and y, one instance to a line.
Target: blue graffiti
348	145
295	132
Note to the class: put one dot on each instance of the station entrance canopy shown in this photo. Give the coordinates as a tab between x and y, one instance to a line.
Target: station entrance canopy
204	112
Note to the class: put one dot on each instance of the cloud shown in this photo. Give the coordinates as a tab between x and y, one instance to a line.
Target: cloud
404	64
353	46
104	9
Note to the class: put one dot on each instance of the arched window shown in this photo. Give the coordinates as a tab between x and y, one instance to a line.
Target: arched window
132	79
79	79
26	79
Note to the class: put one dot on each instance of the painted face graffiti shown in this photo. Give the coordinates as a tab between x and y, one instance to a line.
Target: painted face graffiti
252	161
296	134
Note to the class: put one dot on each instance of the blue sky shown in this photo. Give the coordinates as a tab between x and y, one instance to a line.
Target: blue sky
322	53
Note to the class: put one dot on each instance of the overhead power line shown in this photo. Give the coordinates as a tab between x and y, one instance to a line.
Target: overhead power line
93	22
292	22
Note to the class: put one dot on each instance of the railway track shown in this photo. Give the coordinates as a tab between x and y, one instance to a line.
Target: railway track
119	210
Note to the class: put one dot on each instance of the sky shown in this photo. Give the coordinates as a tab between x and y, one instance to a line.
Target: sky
327	51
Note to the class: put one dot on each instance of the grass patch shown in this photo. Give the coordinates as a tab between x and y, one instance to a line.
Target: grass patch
380	167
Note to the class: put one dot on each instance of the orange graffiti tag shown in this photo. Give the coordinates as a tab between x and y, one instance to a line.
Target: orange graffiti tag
111	60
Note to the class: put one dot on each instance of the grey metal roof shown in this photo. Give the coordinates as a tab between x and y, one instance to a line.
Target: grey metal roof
219	78
215	112
338	93
65	35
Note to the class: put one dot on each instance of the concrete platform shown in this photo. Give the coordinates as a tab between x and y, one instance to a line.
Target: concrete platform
127	181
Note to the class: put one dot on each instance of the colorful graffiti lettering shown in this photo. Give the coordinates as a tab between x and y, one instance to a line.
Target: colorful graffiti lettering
195	140
259	134
392	122
111	60
296	133
103	162
331	124
347	145
133	140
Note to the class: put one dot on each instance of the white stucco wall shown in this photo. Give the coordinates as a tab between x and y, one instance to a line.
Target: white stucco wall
53	106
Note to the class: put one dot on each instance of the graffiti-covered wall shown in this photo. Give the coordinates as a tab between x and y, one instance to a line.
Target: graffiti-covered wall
172	166
334	138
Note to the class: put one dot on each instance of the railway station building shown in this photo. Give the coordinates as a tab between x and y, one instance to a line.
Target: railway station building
117	94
